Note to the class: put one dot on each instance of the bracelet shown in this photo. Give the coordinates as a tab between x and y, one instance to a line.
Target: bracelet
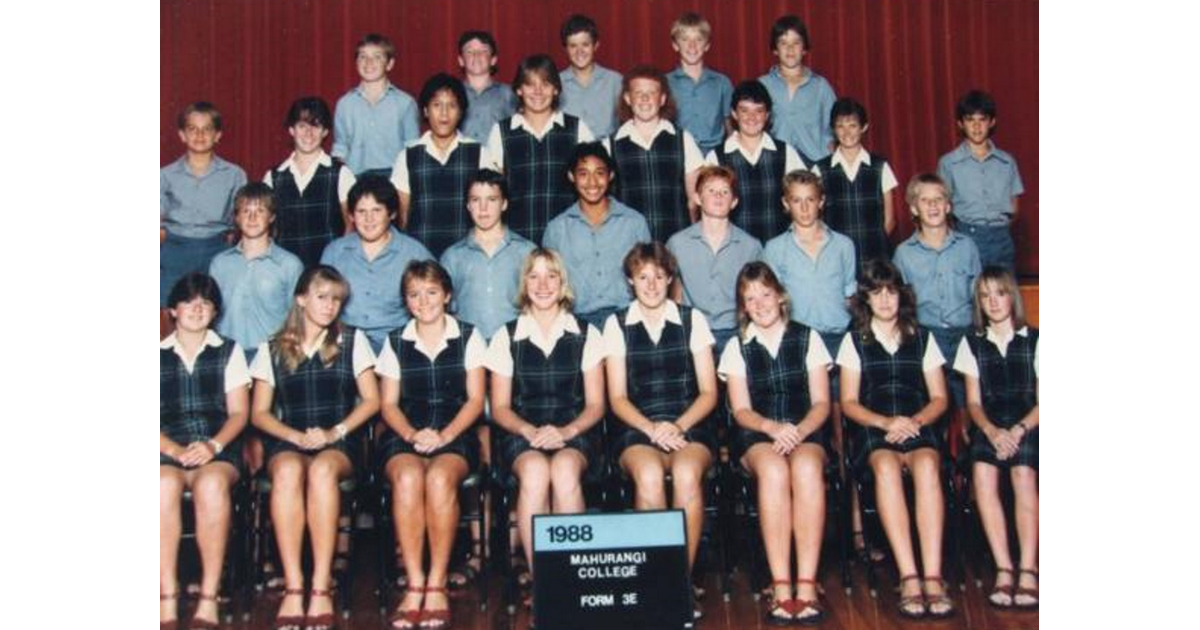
340	429
216	446
1024	429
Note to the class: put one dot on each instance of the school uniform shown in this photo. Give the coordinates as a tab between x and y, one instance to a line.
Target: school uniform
315	394
308	206
776	373
1007	369
854	194
433	385
892	383
760	183
660	370
535	165
652	174
547	378
191	393
436	184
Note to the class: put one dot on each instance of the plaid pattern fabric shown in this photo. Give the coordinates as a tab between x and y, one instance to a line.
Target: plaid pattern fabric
432	392
316	395
760	190
548	390
1009	389
307	222
779	386
855	208
661	379
652	183
537	175
892	385
437	213
192	406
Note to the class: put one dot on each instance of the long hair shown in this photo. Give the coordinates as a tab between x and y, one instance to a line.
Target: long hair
1003	281
555	262
880	274
287	345
759	271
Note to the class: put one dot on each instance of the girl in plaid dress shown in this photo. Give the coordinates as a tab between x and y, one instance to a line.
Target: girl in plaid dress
204	400
777	372
662	385
316	374
433	387
894	390
999	363
547	393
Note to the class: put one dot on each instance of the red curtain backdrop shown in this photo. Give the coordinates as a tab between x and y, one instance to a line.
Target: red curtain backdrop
906	61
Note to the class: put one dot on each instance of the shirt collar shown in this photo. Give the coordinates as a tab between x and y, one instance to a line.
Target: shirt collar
565	322
290	163
217	164
732	144
451	331
705	74
615	209
627	129
753	332
889	343
504	240
426	140
995	337
863	157
518	121
390	88
354	243
963	153
637	316
172	342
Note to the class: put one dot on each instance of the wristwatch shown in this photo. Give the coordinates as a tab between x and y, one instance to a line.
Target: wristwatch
217	447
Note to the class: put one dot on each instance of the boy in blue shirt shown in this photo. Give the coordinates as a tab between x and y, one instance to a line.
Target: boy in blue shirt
802	98
374	121
488	101
589	90
984	182
701	95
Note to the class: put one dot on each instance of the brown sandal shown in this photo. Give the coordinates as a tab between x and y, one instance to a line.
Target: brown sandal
1001	591
408	619
1026	591
436	618
174	623
804	605
323	621
205	624
934	600
786	606
904	604
290	622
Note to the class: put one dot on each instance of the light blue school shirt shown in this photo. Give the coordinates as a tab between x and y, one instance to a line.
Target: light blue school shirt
198	206
367	136
710	278
818	287
595	104
256	293
484	109
594	257
802	119
485	288
703	105
943	279
981	190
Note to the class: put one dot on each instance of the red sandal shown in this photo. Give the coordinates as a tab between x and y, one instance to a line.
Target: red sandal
804	605
436	619
786	606
290	622
323	621
408	619
904	604
174	623
936	600
1026	591
205	624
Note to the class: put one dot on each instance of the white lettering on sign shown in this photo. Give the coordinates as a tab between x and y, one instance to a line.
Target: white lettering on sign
595	601
626	557
600	573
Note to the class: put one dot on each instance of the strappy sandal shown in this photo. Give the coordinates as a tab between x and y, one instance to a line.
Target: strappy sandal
805	605
323	621
205	624
938	600
464	574
904	605
1026	591
290	622
786	606
173	624
408	619
436	619
1002	591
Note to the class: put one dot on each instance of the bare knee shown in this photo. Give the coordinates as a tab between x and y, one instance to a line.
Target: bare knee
808	470
772	476
565	472
210	491
648	476
533	474
287	474
440	485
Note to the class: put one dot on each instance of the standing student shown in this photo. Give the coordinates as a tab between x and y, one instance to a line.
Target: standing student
432	173
984	181
702	95
590	91
803	98
662	385
657	160
195	199
532	148
375	120
858	185
433	388
372	258
999	360
313	388
593	235
310	187
489	101
204	402
547	394
759	160
779	394
894	391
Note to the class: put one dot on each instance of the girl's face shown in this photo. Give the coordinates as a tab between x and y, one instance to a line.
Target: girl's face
849	131
544	285
194	315
650	284
426	300
763	304
995	301
536	94
803	204
885	304
443	114
751	118
322	303
307	137
645	97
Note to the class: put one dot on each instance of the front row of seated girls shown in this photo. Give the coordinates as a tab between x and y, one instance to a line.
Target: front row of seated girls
314	390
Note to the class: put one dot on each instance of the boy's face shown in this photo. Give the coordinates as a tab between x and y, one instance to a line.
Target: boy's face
373	63
307	137
536	94
849	131
591	178
443	114
803	204
581	50
932	207
716	198
253	219
645	97
751	118
199	134
371	219
976	127
476	59
789	50
691	46
486	205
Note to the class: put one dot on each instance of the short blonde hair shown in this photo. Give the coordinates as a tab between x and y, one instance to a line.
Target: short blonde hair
691	19
555	263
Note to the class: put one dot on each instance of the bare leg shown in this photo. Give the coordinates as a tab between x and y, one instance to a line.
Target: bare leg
442	479
687	493
991	514
774	513
931	522
644	464
893	511
324	501
1025	489
170	528
532	469
211	486
287	471
807	464
407	474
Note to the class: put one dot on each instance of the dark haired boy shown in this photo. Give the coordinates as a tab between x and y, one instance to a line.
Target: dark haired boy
375	120
489	101
589	91
802	97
